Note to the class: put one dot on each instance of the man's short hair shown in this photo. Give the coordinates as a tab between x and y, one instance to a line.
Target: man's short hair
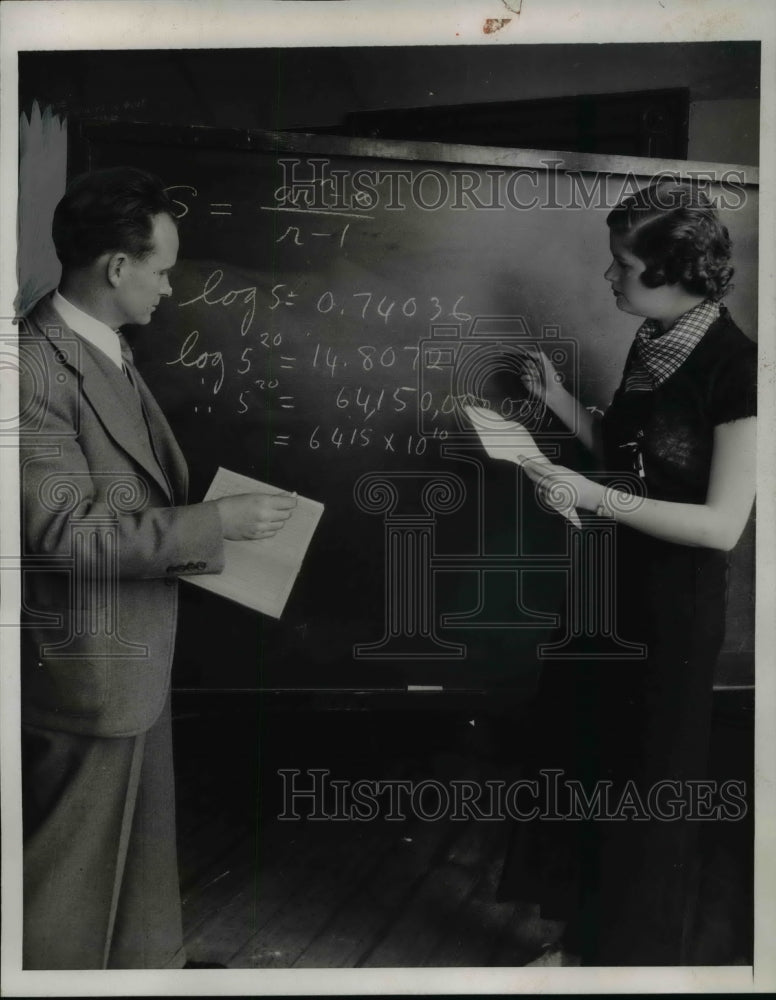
108	211
673	227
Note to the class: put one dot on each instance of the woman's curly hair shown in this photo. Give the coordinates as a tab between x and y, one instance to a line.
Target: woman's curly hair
673	227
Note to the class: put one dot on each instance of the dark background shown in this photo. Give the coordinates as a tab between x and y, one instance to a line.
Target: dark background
322	88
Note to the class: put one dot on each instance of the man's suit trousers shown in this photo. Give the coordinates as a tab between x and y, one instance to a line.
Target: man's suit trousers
100	867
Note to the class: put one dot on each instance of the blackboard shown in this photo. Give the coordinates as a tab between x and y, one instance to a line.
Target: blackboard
335	303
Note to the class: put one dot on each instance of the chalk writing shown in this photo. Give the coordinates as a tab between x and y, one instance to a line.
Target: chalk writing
281	301
227	299
356	438
183	208
212	359
330	360
296	238
431	308
293	234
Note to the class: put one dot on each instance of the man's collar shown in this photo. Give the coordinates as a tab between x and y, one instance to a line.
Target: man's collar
93	330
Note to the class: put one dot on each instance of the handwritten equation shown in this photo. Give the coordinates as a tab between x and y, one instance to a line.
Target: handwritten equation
361	389
186	201
341	363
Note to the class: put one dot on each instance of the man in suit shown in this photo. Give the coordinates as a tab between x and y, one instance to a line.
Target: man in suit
106	532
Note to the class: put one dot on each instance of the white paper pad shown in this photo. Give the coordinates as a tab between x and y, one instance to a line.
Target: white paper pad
510	441
260	574
507	440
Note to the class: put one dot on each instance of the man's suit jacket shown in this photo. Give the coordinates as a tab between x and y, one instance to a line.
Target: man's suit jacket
105	534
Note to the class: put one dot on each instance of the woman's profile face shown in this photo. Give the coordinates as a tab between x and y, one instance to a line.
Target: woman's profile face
632	295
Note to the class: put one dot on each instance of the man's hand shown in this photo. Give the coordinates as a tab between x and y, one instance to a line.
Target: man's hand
254	515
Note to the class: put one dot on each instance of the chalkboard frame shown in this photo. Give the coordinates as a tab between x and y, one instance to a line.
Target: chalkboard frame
85	132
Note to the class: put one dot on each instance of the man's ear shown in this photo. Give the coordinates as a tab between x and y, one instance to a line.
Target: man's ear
115	266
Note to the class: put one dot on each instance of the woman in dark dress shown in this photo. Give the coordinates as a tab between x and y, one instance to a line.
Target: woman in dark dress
681	426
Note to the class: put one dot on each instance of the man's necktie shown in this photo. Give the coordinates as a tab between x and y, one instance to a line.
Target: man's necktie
128	367
127	361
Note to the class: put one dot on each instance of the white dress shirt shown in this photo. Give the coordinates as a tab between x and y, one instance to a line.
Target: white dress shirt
97	333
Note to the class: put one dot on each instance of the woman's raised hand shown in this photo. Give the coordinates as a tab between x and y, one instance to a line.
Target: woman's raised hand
540	377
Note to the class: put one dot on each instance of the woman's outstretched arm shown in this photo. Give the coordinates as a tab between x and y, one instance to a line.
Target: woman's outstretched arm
715	524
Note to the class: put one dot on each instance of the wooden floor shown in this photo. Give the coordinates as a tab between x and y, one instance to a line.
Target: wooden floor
263	892
357	895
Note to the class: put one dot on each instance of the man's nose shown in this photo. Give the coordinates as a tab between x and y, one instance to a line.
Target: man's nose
166	287
609	272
